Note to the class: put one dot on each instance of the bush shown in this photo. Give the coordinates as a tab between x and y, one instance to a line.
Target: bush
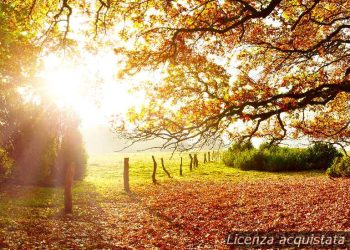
242	146
6	165
340	167
274	158
71	150
266	158
322	155
248	160
74	151
81	162
48	158
234	151
284	159
228	157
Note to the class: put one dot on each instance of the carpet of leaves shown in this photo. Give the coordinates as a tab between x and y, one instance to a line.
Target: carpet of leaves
185	215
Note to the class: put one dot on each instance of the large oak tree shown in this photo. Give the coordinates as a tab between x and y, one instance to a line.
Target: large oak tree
281	66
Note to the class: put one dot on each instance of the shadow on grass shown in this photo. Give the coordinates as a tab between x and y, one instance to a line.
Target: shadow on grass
37	202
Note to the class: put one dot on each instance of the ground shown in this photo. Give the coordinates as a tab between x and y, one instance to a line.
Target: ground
195	211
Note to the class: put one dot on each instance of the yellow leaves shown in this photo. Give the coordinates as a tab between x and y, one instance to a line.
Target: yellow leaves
200	81
286	16
132	115
137	25
330	6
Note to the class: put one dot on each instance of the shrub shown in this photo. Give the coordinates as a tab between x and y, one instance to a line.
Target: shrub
72	150
81	162
340	167
274	158
234	151
284	159
249	160
268	146
321	155
45	172
228	157
6	165
242	146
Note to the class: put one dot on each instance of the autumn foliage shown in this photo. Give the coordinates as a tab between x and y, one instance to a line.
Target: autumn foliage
279	66
282	67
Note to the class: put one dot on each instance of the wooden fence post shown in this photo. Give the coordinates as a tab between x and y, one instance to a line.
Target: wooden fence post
154	170
181	167
68	184
191	162
195	160
166	171
126	175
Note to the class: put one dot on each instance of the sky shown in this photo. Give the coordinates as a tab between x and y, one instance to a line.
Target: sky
89	85
91	88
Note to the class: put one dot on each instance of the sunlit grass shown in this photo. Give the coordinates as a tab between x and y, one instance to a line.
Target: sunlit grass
99	201
104	183
105	173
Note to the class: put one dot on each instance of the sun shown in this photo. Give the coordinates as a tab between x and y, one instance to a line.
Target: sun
88	87
64	86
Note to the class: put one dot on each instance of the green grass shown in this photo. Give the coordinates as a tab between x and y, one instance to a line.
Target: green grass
102	208
104	182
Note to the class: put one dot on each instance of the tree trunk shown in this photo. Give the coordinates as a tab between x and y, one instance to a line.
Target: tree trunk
126	175
154	170
69	179
166	171
208	156
205	157
191	162
181	167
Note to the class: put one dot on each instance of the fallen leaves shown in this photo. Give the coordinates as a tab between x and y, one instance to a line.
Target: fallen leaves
188	215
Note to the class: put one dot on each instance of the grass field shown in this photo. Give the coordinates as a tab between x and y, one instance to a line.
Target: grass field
195	211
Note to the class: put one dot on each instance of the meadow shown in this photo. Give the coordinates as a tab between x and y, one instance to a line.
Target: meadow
193	211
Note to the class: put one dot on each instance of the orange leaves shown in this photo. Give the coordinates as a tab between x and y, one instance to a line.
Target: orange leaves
260	205
245	117
197	212
225	58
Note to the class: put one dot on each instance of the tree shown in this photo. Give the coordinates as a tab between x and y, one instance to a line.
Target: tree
17	61
280	66
30	130
18	53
